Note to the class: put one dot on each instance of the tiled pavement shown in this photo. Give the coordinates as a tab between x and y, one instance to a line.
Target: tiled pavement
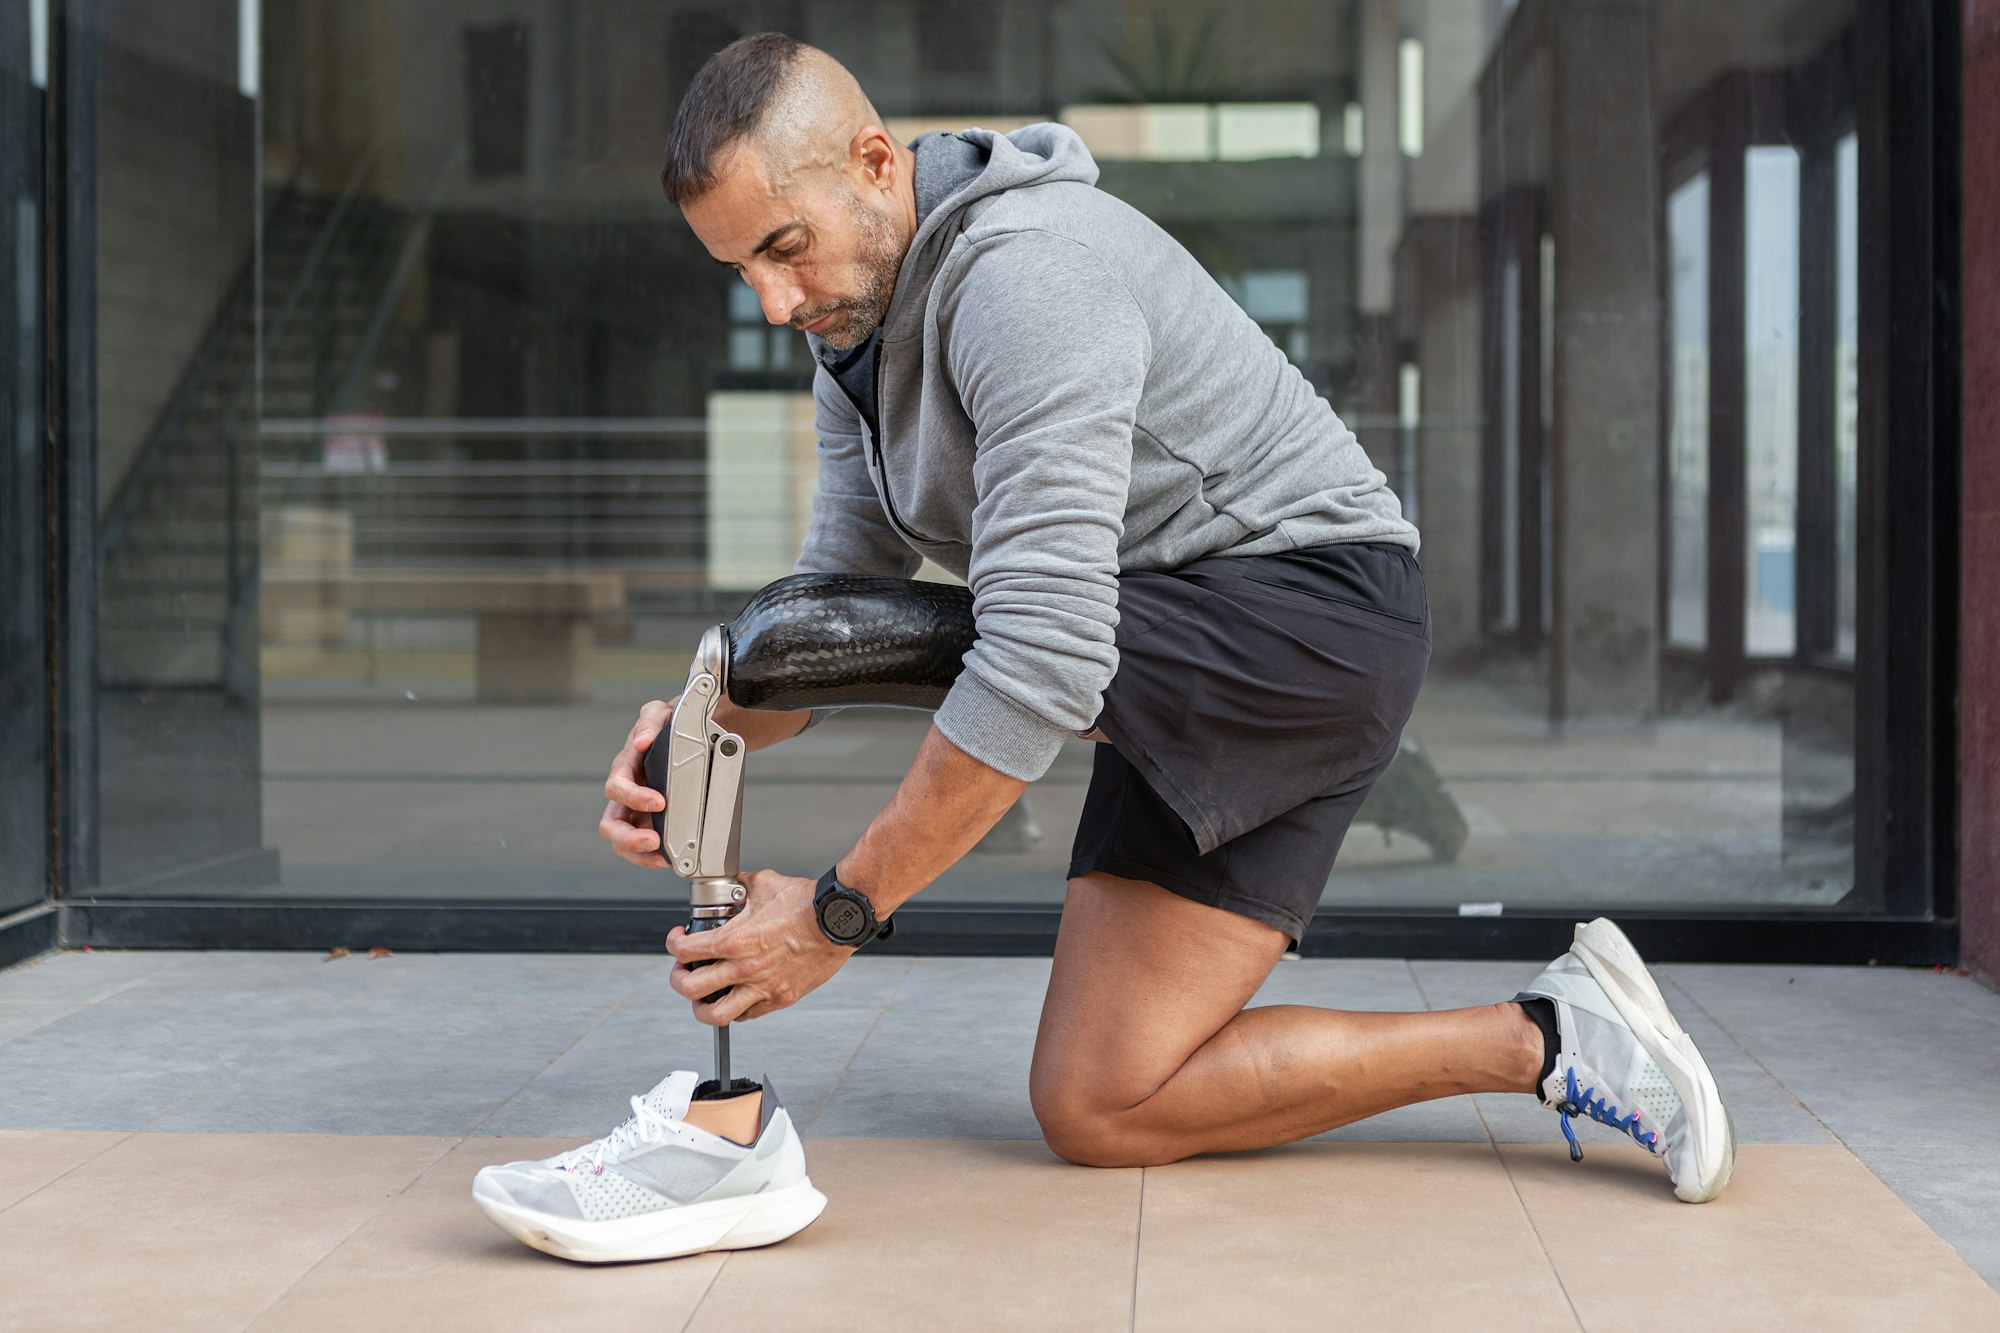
276	1141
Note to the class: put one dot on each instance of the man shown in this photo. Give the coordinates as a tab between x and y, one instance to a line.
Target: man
1176	549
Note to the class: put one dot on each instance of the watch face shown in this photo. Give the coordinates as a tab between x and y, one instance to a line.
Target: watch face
844	920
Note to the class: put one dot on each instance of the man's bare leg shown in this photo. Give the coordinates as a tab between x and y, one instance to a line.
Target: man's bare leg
1146	1054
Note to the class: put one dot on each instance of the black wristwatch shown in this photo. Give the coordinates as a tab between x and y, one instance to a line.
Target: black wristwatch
847	917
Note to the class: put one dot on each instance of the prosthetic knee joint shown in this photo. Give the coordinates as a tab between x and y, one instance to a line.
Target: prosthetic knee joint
809	641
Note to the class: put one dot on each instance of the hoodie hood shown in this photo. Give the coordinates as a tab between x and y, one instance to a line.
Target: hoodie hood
955	172
955	169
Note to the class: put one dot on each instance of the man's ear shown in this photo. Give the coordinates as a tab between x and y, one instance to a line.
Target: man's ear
874	154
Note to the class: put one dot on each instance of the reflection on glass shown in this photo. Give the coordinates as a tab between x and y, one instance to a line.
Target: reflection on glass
38	43
24	753
1227	132
1548	418
1687	409
1771	393
1410	89
1510	446
1846	384
1409	415
497	368
1281	301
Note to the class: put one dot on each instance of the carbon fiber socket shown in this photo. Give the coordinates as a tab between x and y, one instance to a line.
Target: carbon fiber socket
828	640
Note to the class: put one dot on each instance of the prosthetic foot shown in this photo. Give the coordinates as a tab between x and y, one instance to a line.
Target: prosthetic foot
809	641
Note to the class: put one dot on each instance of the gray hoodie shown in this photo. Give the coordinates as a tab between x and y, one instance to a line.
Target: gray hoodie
1063	394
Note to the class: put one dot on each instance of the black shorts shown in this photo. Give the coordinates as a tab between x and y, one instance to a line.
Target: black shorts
1257	699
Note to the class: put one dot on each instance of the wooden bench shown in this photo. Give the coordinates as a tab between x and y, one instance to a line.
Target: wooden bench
535	630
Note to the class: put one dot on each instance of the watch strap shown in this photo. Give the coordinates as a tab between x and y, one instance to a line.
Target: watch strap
830	887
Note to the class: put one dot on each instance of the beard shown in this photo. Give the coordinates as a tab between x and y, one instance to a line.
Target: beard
880	261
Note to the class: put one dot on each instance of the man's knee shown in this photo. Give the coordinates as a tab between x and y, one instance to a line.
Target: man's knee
1079	1133
1082	1127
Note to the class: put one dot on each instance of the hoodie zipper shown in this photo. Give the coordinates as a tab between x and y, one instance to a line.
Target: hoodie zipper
903	530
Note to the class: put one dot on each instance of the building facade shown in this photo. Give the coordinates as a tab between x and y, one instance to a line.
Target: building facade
381	440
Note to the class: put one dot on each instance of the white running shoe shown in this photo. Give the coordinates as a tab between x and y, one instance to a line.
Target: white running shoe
1626	1063
657	1187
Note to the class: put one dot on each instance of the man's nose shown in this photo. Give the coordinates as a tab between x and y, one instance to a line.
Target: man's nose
780	299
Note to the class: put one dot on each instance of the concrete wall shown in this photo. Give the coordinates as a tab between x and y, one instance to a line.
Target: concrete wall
1605	654
1446	178
1979	661
175	215
1442	257
1381	159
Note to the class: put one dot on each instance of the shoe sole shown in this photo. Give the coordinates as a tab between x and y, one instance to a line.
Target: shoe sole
720	1224
1617	967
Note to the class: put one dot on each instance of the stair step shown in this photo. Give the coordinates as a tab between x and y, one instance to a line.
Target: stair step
160	617
137	657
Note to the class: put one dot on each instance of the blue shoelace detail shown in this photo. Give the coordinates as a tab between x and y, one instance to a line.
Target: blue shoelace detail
1587	1102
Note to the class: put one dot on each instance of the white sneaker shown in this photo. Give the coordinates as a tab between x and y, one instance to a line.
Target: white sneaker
657	1187
1626	1063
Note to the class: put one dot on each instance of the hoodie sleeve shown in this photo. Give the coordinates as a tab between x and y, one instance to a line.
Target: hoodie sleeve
849	533
1048	351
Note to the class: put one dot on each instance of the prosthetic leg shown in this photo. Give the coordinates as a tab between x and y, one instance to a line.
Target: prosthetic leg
809	641
700	828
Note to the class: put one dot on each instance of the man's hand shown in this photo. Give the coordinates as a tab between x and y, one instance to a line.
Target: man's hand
770	955
627	823
628	820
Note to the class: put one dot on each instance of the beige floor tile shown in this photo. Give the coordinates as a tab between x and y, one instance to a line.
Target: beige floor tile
1804	1237
1348	1235
31	1158
941	1234
195	1231
431	1260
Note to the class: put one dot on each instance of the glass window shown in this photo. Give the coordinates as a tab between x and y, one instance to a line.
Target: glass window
1546	466
1771	391
1510	446
1687	407
746	349
1279	300
1255	131
1846	386
1410	87
1409	411
431	439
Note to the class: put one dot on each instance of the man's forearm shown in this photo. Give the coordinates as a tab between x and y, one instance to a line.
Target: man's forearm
945	804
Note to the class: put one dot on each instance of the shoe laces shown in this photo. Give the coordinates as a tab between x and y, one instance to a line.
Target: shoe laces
645	1128
1589	1102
